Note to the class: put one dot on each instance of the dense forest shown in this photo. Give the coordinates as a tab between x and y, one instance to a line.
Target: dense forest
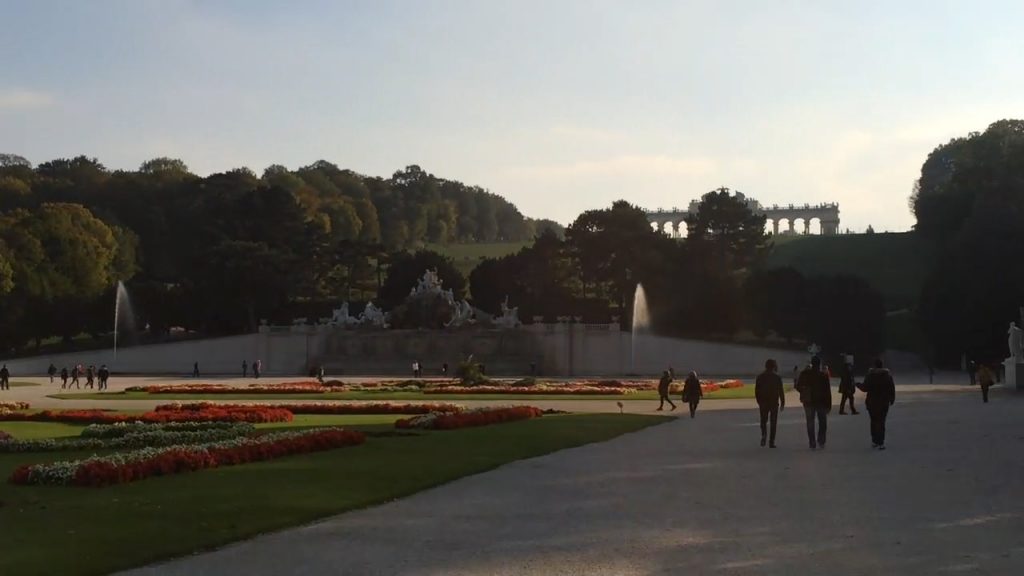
216	253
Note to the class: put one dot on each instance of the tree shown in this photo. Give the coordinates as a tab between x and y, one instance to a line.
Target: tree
725	222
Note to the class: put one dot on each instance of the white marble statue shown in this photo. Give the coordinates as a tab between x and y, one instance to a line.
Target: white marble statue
1015	342
509	316
373	316
461	316
341	317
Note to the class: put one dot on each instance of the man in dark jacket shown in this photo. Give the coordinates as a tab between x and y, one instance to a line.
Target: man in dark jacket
770	398
816	396
881	394
846	389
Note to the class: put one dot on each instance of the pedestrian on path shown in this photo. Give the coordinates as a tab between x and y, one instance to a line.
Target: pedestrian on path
245	368
52	371
816	396
663	386
76	372
771	399
881	394
986	378
692	393
257	367
195	369
5	378
847	390
104	374
64	377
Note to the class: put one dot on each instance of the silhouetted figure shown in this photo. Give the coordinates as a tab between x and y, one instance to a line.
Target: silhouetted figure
257	368
816	396
771	398
986	378
76	372
972	371
881	394
104	375
320	374
195	369
52	371
692	392
90	377
5	378
846	390
245	368
444	369
64	377
663	385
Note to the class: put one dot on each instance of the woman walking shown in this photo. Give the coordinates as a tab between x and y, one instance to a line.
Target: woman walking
692	392
663	385
986	378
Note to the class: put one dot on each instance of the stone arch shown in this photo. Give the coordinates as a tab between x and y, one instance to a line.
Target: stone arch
799	225
770	226
785	225
655	225
682	229
814	225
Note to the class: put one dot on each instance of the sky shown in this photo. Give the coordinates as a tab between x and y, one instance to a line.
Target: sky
558	106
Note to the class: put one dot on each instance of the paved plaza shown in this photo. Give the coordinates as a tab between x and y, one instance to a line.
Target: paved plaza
701	497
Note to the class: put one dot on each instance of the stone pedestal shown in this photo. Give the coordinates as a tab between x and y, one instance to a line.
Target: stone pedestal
1014	374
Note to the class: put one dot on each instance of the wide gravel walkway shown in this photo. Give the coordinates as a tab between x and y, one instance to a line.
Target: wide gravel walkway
700	497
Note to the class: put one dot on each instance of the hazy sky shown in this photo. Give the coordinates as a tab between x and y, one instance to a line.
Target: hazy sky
558	106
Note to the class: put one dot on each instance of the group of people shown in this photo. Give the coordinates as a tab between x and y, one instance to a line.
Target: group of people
815	389
692	392
93	376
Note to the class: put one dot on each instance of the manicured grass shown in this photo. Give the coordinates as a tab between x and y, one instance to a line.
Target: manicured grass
101	530
33	430
387	396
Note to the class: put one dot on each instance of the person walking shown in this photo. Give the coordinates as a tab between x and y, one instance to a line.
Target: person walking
692	392
90	376
847	390
195	369
76	372
104	374
257	367
972	371
663	385
816	396
64	377
986	378
881	394
771	399
245	368
320	374
52	371
5	378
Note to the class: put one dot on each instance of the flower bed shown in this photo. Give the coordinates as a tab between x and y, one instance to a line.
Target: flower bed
326	408
469	418
538	389
126	428
151	438
212	413
14	405
139	464
282	388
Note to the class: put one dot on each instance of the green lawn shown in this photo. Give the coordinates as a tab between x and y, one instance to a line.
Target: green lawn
745	392
102	530
19	384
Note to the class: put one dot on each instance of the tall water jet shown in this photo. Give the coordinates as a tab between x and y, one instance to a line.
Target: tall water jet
122	312
641	322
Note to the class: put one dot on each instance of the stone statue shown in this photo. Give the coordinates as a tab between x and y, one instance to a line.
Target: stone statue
341	317
373	316
509	316
461	316
1015	341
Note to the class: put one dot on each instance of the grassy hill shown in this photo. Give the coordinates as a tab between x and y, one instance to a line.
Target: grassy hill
895	264
467	256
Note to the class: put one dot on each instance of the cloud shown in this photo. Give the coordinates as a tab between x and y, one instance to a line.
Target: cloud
16	99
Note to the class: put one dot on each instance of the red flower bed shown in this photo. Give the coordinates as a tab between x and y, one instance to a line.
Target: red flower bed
322	408
104	471
470	418
211	413
282	388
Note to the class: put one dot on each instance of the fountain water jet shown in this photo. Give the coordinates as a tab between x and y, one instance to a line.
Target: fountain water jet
641	322
122	308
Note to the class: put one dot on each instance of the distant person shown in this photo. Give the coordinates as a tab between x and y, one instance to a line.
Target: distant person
771	399
847	390
195	369
444	369
663	386
104	375
796	374
76	372
90	376
5	378
881	394
986	378
415	369
320	374
52	371
816	396
972	371
64	377
257	368
245	368
692	393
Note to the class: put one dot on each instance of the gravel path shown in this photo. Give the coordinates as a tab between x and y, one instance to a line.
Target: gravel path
700	497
